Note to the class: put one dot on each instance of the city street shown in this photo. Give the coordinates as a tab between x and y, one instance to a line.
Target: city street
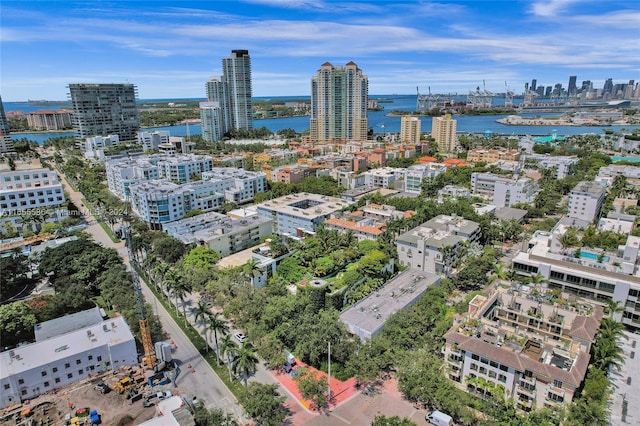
204	382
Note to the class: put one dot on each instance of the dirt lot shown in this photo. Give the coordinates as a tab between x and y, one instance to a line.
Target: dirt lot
113	407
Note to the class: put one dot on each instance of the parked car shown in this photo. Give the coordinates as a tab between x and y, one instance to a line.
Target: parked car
240	337
164	395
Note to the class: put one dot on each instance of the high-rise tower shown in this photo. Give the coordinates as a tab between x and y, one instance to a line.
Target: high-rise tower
104	109
339	98
443	130
572	89
237	74
6	143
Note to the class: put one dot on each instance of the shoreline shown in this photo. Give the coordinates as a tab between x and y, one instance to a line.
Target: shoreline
522	121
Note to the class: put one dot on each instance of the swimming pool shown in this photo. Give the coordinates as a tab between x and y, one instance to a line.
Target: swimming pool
594	256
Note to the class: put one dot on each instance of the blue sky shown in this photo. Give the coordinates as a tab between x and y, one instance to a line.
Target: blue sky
170	48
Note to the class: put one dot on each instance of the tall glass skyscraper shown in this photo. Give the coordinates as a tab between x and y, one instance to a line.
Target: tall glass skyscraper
105	109
339	97
237	74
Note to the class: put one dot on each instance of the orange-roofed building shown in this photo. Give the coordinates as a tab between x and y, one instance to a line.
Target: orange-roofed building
455	162
424	160
362	230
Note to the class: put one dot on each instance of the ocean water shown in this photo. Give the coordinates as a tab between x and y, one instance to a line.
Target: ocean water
379	121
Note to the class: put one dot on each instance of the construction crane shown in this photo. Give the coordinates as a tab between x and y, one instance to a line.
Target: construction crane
149	359
508	96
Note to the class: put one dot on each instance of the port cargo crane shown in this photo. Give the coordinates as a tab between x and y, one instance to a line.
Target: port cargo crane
149	360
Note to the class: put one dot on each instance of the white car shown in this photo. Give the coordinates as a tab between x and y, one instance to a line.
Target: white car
164	395
240	337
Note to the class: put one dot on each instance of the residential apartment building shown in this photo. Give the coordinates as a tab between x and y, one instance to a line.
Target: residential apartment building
64	358
384	177
159	201
410	130
454	191
104	109
563	164
585	201
516	191
98	143
587	273
123	172
274	157
363	229
607	174
483	155
237	74
443	130
297	215
6	142
339	103
49	119
238	186
151	141
291	175
218	94
512	345
434	246
416	174
212	121
484	184
21	190
220	232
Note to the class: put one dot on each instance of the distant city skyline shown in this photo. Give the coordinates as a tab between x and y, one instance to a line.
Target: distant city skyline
168	49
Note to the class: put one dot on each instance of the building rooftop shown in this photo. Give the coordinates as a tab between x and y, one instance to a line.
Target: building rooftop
590	188
441	231
371	313
208	226
304	204
67	323
556	345
109	332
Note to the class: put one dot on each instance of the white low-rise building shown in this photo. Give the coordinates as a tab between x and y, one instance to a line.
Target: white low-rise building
434	246
22	190
238	185
415	175
297	215
384	177
220	232
150	141
585	200
59	360
158	202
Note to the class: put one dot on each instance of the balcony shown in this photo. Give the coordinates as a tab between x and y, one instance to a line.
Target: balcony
531	381
526	403
530	392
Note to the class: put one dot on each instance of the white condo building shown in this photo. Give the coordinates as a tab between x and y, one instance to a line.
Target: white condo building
29	189
588	273
298	215
238	185
585	201
177	168
433	246
416	174
151	141
159	201
65	356
504	191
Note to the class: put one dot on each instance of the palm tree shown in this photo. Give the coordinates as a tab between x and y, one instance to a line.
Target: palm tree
202	312
499	272
217	324
158	273
252	270
229	349
180	289
614	307
245	362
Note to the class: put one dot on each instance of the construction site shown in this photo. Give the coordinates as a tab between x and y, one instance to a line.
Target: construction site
123	397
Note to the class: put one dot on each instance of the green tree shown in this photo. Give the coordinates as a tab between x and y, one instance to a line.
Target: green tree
16	323
264	404
217	324
245	362
201	313
229	350
381	420
312	387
